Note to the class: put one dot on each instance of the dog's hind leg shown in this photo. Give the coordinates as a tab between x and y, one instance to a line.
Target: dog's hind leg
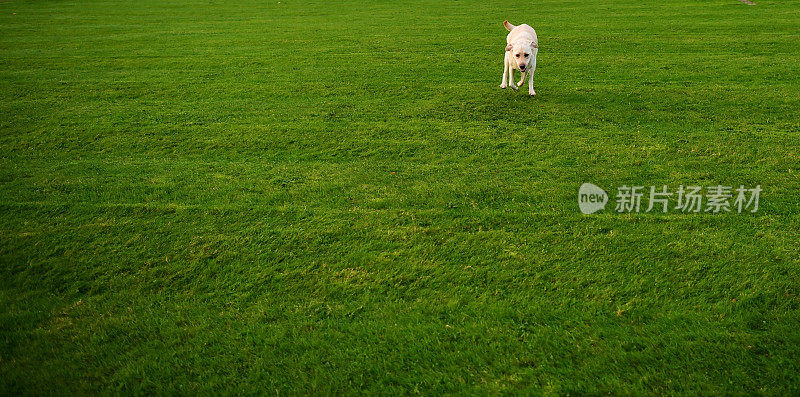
522	80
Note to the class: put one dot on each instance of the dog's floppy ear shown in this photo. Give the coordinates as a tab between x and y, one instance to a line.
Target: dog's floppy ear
509	47
534	44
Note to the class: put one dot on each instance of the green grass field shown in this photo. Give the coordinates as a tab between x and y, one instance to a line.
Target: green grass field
334	197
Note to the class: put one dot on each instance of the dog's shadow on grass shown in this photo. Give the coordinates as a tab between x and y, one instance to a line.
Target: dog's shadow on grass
511	106
486	105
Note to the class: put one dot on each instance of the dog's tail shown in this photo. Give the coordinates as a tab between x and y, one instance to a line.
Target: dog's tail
508	26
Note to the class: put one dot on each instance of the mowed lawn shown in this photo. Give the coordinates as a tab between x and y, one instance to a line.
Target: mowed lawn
334	197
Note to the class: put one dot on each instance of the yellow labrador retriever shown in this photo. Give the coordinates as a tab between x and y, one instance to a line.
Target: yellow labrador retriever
523	45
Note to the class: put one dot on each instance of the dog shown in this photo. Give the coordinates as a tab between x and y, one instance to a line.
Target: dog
523	45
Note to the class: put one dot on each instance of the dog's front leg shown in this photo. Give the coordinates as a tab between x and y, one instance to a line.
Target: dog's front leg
522	80
511	76
504	84
531	92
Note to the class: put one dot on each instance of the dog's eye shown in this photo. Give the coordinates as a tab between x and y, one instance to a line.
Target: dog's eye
526	55
517	55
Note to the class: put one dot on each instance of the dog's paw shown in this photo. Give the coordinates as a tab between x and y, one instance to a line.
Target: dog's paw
503	86
514	86
532	93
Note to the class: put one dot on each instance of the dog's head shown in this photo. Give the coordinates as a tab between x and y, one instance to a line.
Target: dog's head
521	53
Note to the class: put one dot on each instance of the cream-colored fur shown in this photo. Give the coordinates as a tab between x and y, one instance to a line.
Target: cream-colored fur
523	45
